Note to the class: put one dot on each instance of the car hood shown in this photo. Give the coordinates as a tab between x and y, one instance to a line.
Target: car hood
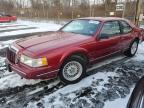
50	41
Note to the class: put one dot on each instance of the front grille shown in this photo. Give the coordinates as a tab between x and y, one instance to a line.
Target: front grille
11	55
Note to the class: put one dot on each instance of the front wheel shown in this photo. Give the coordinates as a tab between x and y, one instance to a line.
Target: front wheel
73	70
132	49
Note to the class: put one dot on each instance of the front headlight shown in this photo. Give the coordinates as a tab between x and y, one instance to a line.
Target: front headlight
33	62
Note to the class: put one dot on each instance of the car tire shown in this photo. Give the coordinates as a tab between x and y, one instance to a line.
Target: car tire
132	49
75	64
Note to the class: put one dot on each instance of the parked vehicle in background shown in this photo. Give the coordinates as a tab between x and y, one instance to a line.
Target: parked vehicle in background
70	51
137	98
7	18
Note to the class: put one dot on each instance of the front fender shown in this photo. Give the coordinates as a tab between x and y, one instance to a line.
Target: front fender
71	52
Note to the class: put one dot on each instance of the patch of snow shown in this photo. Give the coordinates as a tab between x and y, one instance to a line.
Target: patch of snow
71	88
15	27
118	103
4	44
85	82
140	54
54	83
15	80
40	27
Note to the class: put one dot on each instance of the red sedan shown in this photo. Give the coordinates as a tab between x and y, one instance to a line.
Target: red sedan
7	18
70	51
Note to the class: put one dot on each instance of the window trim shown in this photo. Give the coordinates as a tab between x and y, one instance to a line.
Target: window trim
122	27
115	34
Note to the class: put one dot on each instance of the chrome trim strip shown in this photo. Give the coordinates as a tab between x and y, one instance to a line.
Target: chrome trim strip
18	70
48	72
105	56
107	61
14	48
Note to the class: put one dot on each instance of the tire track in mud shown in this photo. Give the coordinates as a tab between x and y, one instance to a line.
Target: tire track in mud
26	90
20	96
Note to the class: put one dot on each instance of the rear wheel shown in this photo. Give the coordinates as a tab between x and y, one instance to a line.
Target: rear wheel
132	49
73	70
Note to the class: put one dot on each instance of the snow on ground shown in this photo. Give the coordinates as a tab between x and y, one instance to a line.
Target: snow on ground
11	79
140	53
40	27
5	44
15	80
119	103
71	89
13	27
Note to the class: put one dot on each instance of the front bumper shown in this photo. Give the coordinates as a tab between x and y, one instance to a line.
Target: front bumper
32	73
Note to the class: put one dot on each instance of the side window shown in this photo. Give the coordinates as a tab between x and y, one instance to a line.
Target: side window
126	28
110	29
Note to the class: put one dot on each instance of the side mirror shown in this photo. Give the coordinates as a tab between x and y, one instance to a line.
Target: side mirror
103	36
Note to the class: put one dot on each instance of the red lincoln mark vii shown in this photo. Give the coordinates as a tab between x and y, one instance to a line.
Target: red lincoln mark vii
70	51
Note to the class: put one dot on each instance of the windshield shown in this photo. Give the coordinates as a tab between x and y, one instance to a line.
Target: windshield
84	27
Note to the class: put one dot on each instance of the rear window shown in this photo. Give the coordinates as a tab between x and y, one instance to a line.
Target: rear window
110	29
126	28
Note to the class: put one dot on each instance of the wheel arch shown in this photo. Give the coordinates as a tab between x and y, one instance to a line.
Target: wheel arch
137	38
79	52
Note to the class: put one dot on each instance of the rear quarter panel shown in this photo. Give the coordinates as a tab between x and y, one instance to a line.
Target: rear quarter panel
142	34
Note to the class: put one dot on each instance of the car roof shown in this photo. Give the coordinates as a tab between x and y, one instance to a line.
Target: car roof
103	18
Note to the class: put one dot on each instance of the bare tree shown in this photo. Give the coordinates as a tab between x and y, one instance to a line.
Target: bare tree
59	9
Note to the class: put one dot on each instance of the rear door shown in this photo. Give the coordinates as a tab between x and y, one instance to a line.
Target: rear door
108	40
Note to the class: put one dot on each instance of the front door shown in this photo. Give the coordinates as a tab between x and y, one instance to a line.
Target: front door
108	41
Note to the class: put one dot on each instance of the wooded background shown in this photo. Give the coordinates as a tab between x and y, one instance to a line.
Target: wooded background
65	9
